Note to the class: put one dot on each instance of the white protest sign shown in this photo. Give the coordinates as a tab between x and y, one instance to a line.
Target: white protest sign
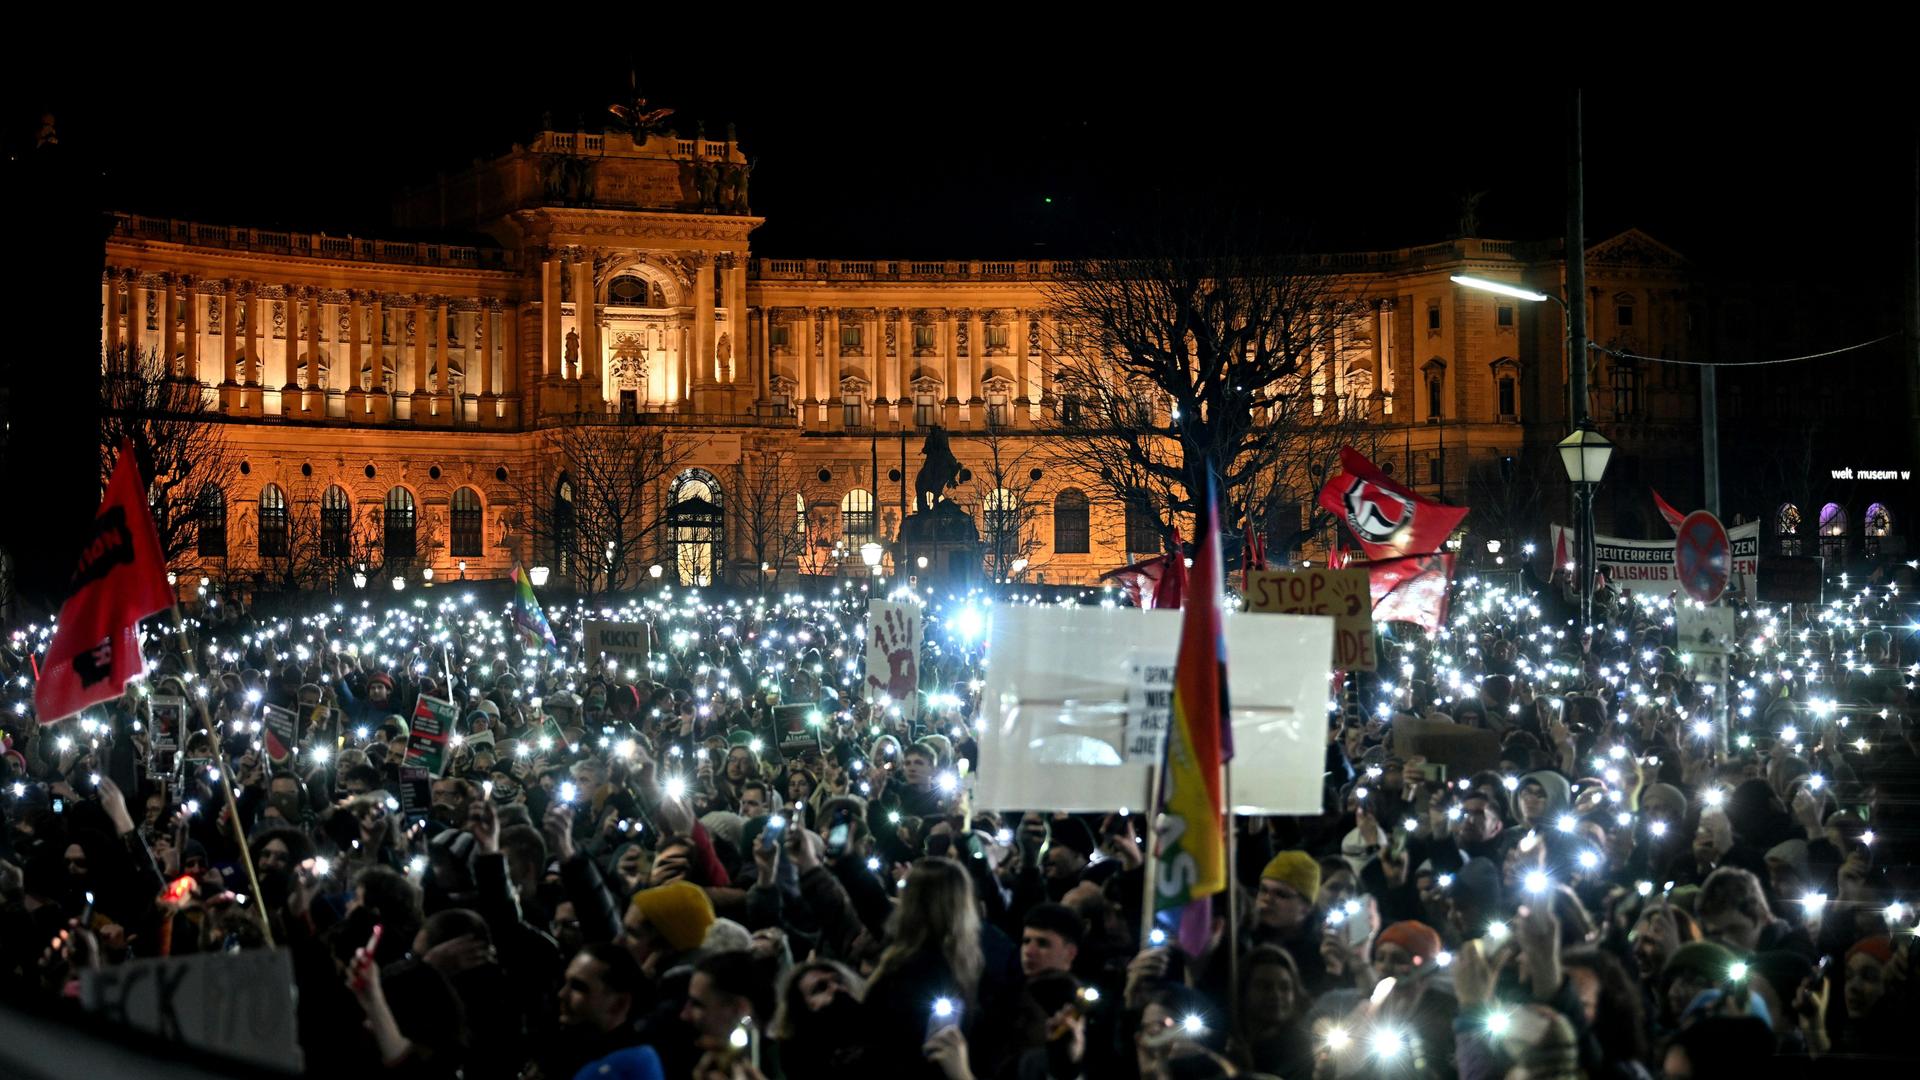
236	1004
1706	636
1149	707
623	646
894	633
1644	564
1053	713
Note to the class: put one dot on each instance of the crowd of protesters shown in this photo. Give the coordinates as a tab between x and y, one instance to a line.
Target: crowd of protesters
731	864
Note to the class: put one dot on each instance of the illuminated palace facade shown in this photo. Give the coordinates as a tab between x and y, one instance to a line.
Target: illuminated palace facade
412	388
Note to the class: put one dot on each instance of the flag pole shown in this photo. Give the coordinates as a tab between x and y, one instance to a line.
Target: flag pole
1231	939
226	777
1152	863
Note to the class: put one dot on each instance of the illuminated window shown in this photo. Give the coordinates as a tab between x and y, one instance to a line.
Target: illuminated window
400	538
1786	528
466	523
850	410
923	409
628	291
210	522
799	514
1071	523
697	528
336	517
273	522
856	515
1002	519
1833	532
564	531
1877	525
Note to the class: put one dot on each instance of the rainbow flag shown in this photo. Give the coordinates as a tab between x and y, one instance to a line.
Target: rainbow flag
1192	836
526	609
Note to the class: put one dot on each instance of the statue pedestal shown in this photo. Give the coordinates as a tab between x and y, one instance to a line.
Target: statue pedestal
948	540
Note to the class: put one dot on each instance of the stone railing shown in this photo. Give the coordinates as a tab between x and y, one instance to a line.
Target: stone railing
314	245
1043	269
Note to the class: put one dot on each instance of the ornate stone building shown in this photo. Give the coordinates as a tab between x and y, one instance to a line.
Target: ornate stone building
406	393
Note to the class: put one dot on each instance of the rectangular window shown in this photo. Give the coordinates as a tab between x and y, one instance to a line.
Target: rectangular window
849	337
1066	338
996	337
1436	470
923	335
1071	410
1433	317
923	410
1507	402
850	412
1626	391
1434	411
1623	315
997	413
1143	526
1506	314
777	336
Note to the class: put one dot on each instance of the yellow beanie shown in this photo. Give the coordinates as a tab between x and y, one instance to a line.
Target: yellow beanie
679	910
1298	871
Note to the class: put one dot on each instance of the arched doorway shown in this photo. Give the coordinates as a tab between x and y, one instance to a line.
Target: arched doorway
697	525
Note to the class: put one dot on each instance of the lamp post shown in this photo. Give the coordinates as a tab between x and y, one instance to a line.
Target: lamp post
870	553
1585	454
538	575
399	582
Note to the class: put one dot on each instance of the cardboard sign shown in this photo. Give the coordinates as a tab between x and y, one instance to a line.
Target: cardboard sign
625	646
1791	579
1463	750
166	721
1707	636
432	721
1053	713
1343	594
416	792
894	633
1149	708
239	1004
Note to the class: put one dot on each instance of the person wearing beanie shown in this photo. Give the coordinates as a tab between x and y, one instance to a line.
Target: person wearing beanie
666	922
1693	967
1406	948
1541	798
1285	914
1067	857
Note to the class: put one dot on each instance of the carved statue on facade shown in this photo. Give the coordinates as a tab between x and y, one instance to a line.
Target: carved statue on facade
940	472
568	179
573	350
636	115
1470	214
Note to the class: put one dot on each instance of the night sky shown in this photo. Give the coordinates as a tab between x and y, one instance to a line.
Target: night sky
855	160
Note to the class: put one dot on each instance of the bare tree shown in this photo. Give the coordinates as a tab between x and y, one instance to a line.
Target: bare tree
178	439
1192	349
1006	488
1506	494
1305	430
769	511
593	502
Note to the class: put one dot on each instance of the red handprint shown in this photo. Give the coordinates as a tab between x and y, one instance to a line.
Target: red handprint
893	635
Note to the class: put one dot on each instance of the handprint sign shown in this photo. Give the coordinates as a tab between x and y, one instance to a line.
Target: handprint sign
893	652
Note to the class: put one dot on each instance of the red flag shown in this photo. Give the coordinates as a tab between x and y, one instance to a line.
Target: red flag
120	578
1172	586
1413	589
1141	580
1674	517
1388	519
1256	553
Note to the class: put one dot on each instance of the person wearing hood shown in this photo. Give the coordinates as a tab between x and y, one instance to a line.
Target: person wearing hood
1542	798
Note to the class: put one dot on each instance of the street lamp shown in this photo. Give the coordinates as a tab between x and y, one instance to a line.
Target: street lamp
1518	292
655	571
173	578
870	553
463	569
538	575
399	582
1585	454
359	579
426	574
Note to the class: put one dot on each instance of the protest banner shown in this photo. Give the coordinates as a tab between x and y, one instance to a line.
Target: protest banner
416	792
1054	710
236	1004
894	633
1149	708
1343	594
623	646
432	721
1650	564
280	730
166	721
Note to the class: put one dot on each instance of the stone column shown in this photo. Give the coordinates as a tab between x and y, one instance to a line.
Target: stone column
193	329
136	315
1017	341
418	314
737	317
354	351
510	358
290	360
311	369
873	349
587	324
377	330
1049	340
952	343
762	357
170	335
442	313
976	355
835	358
253	304
229	353
481	352
110	316
553	350
702	321
803	356
903	357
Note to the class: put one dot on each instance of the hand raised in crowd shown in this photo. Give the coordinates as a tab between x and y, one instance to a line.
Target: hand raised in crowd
114	802
484	823
557	828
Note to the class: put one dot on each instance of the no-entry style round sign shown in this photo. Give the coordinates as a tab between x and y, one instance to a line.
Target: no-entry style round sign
1702	556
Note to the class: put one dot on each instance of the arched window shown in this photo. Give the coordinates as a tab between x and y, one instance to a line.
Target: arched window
1143	525
210	522
856	515
1002	520
399	539
628	291
1877	525
466	523
564	531
1833	532
336	522
1786	528
1071	523
697	528
273	522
